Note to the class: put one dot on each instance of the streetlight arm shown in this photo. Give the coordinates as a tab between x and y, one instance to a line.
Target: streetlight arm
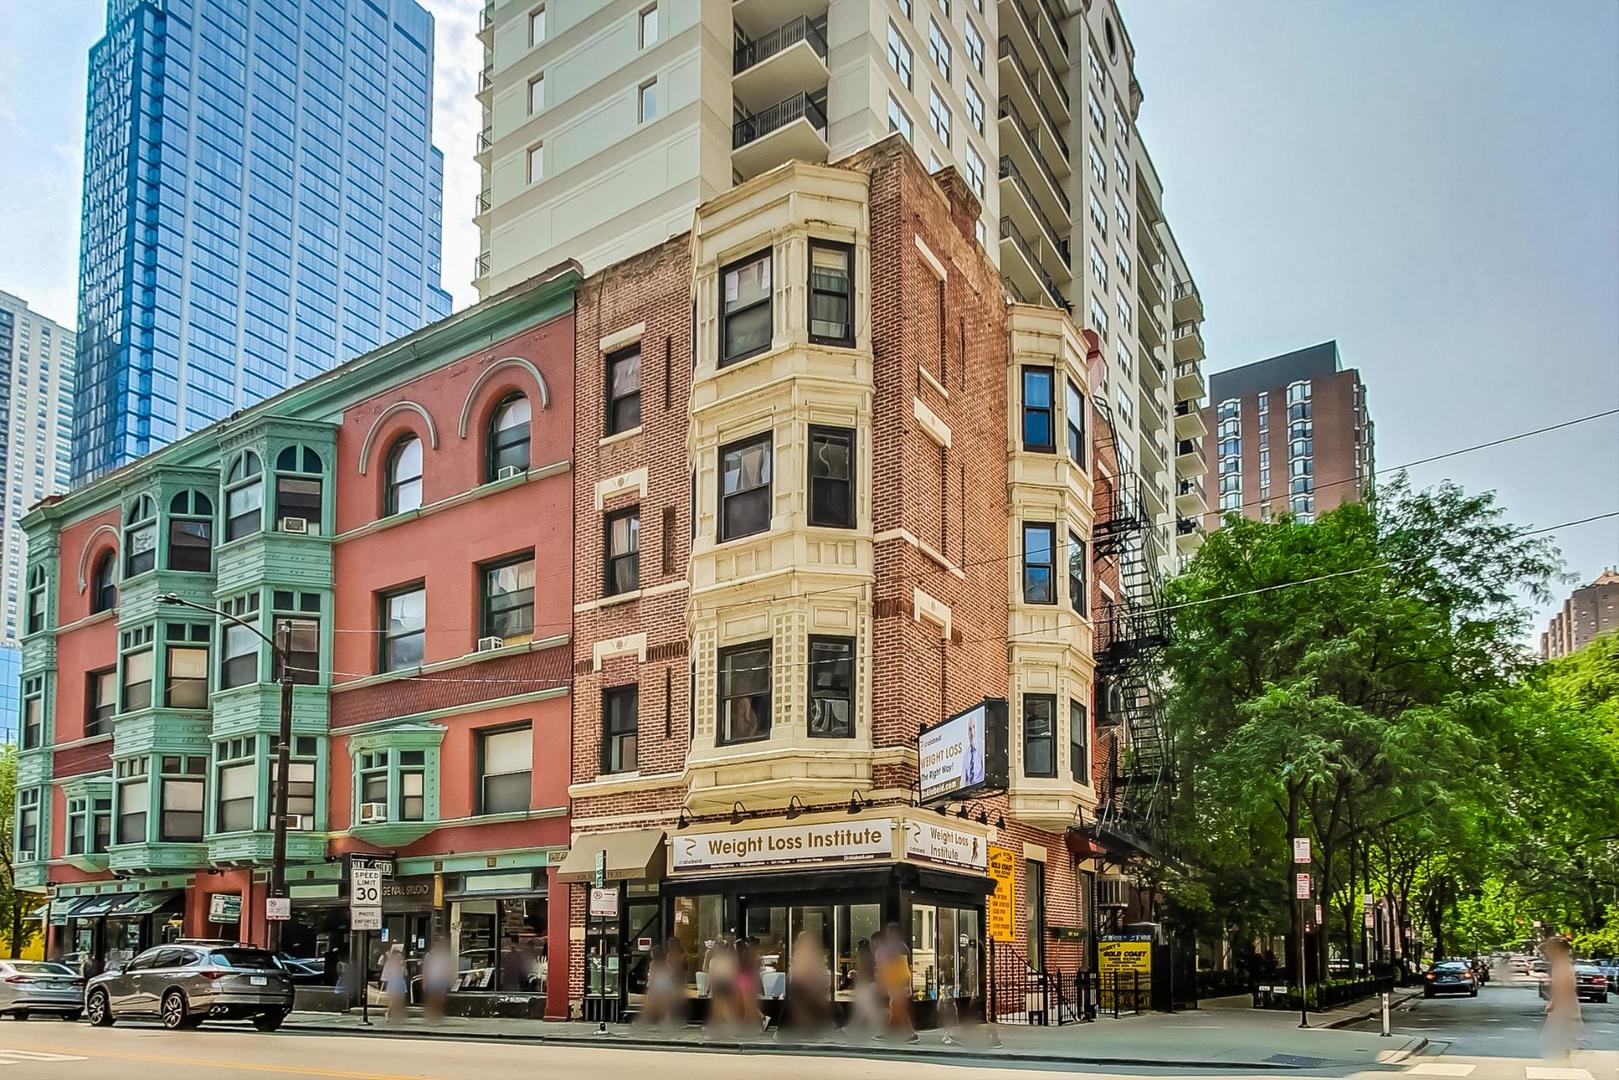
172	598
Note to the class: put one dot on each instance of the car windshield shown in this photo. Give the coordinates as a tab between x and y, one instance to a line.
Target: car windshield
244	959
34	967
1451	965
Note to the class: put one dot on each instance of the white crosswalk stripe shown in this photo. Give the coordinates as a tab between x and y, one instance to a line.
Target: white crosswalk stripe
1443	1068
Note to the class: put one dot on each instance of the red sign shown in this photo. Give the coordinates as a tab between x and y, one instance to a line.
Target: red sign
1301	886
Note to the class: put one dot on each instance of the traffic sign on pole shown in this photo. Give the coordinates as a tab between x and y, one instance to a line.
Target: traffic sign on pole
1301	849
277	908
365	898
1301	886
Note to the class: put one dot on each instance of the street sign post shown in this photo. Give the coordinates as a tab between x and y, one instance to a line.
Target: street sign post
1301	849
1301	893
278	908
1301	886
365	915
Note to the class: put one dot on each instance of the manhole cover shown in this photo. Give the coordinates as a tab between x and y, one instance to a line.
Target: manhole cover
1294	1061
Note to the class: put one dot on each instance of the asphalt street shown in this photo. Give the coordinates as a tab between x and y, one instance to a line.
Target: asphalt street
1492	1037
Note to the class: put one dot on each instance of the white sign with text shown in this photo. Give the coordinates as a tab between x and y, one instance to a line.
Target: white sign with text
943	844
951	756
825	841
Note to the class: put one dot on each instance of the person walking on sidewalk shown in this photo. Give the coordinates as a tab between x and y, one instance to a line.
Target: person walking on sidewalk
894	976
395	983
809	987
1563	1027
438	971
867	1011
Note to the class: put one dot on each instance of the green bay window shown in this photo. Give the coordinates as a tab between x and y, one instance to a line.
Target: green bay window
181	789
138	667
38	600
239	661
191	532
299	481
185	661
236	784
28	819
33	712
391	785
244	496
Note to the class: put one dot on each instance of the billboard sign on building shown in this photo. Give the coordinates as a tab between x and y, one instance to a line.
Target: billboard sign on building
965	754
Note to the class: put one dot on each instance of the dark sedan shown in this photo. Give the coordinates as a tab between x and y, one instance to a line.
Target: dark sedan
1450	977
1591	983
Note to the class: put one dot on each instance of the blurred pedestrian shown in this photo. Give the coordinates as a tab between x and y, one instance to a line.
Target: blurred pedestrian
749	986
438	972
894	978
809	987
720	967
395	983
867	1012
1563	1027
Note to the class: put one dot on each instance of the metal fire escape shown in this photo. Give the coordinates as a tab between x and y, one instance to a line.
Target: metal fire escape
1130	633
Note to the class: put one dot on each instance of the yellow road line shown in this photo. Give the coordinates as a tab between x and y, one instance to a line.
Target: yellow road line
218	1064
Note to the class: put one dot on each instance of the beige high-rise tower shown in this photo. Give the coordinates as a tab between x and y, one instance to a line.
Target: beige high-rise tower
607	122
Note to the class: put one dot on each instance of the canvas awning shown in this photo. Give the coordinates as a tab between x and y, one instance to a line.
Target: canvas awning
631	856
144	903
90	907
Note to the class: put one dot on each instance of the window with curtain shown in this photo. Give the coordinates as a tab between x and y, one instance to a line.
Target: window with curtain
191	532
744	500
295	627
104	583
299	481
134	800
505	764
33	712
831	477
240	664
831	293
508	437
508	600
236	784
831	679
137	680
1039	735
745	300
624	389
744	693
185	660
140	537
181	794
101	701
623	550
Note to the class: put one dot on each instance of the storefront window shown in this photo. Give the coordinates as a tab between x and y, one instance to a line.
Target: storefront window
1034	912
945	951
500	944
698	923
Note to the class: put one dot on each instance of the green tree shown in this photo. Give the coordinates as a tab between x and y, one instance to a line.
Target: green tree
14	905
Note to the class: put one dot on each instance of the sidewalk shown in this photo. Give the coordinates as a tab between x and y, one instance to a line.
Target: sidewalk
1219	1036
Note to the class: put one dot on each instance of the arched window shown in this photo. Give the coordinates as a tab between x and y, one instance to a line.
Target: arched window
508	438
404	476
298	478
191	532
104	583
140	537
37	595
244	496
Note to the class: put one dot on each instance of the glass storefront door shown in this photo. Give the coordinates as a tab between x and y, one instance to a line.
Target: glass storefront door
946	951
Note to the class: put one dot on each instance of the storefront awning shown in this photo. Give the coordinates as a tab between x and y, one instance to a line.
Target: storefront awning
40	913
631	856
144	903
90	907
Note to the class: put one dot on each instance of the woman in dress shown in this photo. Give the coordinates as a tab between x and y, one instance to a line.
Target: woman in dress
395	982
1562	1031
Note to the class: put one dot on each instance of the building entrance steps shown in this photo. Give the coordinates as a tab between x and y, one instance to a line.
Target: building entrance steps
1221	1037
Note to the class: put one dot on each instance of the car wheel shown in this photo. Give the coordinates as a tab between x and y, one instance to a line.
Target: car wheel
173	1010
269	1021
98	1009
1473	992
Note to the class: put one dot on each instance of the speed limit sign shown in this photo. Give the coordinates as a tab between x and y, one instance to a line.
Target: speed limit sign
365	888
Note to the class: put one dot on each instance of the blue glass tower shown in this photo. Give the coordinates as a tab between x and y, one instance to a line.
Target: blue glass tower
261	202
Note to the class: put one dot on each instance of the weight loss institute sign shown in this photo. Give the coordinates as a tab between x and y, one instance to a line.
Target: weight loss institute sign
831	841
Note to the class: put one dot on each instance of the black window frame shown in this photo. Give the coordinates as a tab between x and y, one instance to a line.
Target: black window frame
763	648
189	638
612	560
1031	742
104	583
1034	904
305	664
617	424
486	606
766	255
1079	741
481	739
190	534
621	727
846	436
1027	411
1074	422
845	339
1050	565
495	447
766	439
31	735
823	674
394	484
231	663
386	634
1078	579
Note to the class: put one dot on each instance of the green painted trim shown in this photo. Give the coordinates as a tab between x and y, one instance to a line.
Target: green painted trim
520	308
127	885
469	862
321	891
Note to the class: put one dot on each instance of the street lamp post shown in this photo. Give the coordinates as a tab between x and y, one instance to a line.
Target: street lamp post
283	750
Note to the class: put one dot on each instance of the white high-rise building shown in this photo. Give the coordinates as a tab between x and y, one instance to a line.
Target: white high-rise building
607	122
36	433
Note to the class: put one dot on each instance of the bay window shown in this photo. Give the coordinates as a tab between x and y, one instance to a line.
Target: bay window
745	308
1039	735
744	693
745	490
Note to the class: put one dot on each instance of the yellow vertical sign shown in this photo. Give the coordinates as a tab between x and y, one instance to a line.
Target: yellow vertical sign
1003	871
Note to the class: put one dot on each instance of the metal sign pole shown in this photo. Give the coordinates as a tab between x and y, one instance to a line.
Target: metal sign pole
365	978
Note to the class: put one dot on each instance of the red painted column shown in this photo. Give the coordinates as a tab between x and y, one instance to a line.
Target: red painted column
559	937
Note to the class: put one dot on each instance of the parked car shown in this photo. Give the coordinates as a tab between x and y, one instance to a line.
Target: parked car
189	981
303	971
31	986
1520	965
1590	983
1450	977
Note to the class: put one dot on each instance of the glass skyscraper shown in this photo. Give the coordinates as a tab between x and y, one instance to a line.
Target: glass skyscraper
261	202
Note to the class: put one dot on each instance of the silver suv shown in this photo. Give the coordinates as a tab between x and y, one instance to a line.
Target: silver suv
189	981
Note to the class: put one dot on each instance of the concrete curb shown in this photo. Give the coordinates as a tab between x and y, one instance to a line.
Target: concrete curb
1375	1011
833	1049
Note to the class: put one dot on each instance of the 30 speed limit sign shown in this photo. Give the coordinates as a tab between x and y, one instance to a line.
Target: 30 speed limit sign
365	888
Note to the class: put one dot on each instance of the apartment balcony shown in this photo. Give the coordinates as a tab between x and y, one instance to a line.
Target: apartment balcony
1189	382
1150	329
1020	263
1154	375
1153	416
1189	499
486	20
486	82
1188	304
1030	90
1189	421
1018	202
1189	535
1189	458
1033	33
1154	462
1149	282
481	205
486	142
793	129
1021	143
783	60
481	268
1188	342
1151	214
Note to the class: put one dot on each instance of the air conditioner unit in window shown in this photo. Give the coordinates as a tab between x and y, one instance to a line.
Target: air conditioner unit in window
372	813
25	856
508	471
1112	891
485	644
294	525
299	822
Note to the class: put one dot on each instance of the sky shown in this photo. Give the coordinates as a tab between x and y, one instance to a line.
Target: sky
1434	183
